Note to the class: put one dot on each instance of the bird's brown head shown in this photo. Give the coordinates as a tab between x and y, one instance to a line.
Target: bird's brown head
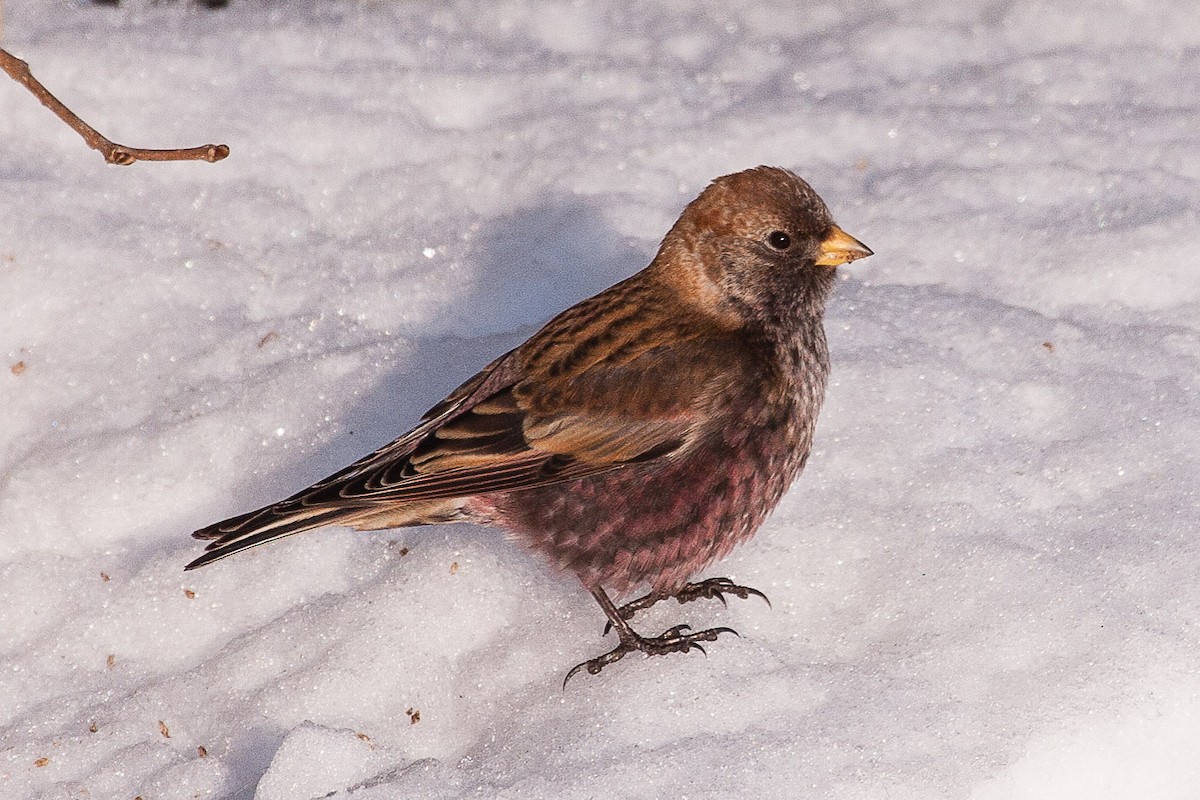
757	244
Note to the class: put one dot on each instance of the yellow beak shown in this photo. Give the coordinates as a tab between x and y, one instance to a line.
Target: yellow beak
840	247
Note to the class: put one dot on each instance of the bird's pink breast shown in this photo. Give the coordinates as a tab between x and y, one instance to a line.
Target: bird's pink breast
660	524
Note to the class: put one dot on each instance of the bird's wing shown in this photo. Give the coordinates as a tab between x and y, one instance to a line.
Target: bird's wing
505	430
532	433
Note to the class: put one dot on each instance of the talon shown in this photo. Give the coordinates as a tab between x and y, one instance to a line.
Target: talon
755	592
571	673
721	597
715	632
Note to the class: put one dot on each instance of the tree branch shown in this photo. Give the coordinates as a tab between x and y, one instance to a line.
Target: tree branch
113	153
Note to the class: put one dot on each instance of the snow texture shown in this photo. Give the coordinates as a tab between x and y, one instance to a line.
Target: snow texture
984	586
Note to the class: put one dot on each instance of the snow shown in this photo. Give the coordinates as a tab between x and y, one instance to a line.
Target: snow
983	587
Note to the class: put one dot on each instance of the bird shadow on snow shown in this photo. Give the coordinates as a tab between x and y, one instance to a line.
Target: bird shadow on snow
521	269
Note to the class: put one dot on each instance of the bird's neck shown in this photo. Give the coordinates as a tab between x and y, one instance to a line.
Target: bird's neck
797	310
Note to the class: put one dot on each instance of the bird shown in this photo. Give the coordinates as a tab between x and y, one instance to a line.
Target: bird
640	434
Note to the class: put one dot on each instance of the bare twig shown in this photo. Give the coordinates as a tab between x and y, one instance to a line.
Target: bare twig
113	153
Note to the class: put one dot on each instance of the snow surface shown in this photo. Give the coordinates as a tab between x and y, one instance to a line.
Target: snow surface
985	585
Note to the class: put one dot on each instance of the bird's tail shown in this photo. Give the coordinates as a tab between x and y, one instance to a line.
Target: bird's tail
265	525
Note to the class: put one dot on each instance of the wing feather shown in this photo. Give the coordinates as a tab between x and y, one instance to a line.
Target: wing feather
505	431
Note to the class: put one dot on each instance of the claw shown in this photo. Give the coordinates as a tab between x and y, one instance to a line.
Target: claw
593	666
575	669
756	592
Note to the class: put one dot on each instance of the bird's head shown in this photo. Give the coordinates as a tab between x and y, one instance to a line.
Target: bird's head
757	244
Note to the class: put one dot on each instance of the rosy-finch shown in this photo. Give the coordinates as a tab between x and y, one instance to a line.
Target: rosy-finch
640	434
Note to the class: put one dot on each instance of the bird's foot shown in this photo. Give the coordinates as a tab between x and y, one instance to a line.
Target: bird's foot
709	589
717	588
672	640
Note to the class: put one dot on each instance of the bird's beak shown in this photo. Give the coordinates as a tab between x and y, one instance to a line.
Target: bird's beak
840	247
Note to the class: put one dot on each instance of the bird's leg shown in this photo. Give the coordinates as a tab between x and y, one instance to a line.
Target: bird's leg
627	611
712	588
672	640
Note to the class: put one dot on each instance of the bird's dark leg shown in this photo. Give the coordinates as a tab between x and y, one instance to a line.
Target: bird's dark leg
712	588
672	640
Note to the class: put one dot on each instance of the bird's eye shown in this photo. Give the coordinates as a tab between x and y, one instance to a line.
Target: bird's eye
779	240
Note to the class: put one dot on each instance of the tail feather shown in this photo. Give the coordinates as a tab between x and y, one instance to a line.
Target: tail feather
261	526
